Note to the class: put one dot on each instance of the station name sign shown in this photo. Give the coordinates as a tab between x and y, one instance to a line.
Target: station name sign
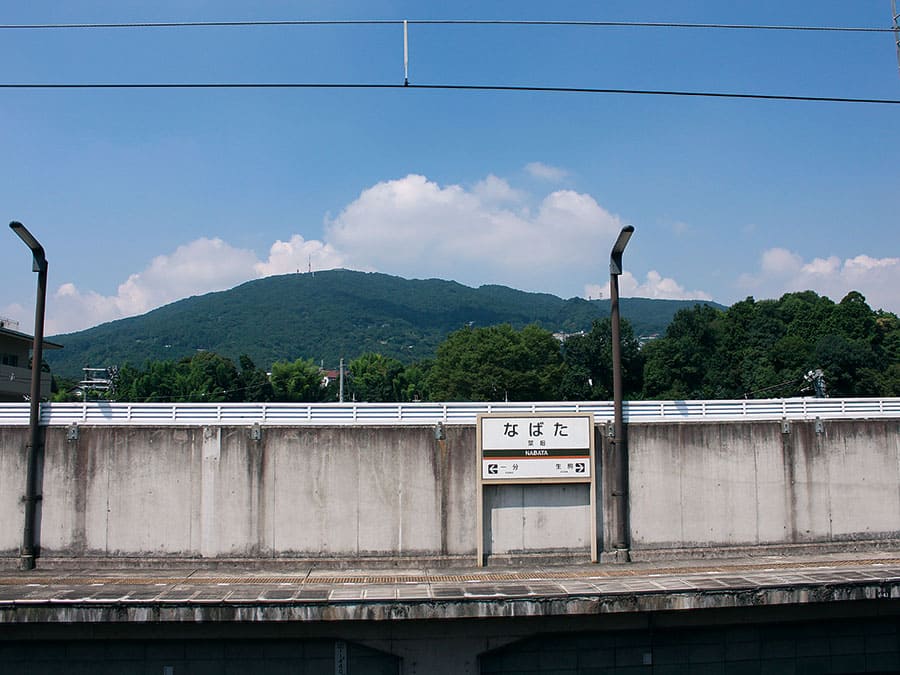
517	448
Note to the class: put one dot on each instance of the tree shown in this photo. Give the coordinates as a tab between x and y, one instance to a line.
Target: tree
848	366
588	360
852	318
254	382
206	376
497	363
374	377
298	381
155	382
887	352
764	348
413	381
62	390
677	365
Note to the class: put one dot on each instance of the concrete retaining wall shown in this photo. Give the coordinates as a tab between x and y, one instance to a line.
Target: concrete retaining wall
213	492
718	485
12	488
345	493
396	493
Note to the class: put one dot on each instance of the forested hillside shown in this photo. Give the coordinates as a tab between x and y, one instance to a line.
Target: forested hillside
801	344
327	315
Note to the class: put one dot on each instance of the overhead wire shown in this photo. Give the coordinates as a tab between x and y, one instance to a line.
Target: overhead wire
780	385
443	22
437	86
448	87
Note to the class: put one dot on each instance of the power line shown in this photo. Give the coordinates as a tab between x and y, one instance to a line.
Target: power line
661	92
202	24
780	385
448	87
652	24
443	22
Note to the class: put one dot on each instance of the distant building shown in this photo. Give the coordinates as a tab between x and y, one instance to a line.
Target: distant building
329	376
562	337
644	339
15	373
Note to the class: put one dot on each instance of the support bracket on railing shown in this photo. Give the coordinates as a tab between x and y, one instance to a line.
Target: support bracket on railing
72	432
256	432
785	426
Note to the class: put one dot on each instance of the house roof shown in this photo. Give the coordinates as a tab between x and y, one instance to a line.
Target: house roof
24	337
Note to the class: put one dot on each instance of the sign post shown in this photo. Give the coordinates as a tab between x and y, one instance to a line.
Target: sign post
535	449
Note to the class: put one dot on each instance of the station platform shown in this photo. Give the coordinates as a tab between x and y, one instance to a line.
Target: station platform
319	594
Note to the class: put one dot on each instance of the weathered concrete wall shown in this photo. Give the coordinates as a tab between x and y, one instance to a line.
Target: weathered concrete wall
726	485
12	488
519	519
214	492
351	493
300	492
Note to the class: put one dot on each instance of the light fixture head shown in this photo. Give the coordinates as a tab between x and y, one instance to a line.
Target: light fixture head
615	256
40	261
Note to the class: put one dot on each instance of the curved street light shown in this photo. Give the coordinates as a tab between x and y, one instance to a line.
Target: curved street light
29	544
620	534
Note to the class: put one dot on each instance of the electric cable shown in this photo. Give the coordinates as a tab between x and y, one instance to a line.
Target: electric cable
448	87
442	22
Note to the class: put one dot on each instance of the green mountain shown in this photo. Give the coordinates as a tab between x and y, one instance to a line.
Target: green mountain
330	314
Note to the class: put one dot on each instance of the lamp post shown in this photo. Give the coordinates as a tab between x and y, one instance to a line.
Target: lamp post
29	547
620	534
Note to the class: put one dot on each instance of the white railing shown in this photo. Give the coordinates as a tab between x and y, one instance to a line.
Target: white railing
328	414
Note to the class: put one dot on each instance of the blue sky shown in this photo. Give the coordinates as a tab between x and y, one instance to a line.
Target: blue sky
142	197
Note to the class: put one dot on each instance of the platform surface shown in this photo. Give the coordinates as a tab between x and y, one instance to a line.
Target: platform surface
317	594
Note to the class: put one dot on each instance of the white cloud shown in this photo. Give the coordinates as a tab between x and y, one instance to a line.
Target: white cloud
655	286
779	262
496	190
70	309
201	266
782	271
414	227
545	172
298	255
